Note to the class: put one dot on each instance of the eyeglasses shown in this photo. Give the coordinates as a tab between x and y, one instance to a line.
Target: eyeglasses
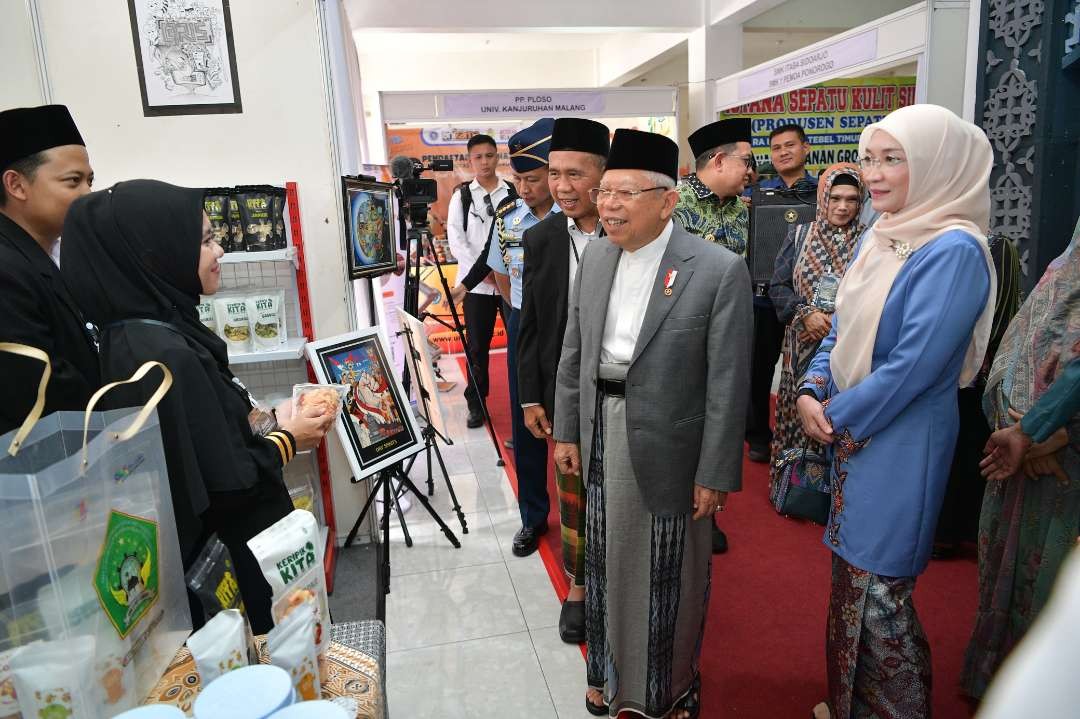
490	209
748	160
867	162
597	194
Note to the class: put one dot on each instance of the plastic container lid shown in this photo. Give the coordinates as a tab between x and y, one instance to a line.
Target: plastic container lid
253	692
153	711
321	709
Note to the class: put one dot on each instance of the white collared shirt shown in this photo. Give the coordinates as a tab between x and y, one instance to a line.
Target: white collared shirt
634	280
468	245
578	240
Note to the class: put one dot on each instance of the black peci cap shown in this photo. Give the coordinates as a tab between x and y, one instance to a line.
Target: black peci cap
721	132
637	150
25	131
576	133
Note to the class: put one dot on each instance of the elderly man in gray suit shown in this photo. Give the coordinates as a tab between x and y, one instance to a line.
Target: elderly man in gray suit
653	383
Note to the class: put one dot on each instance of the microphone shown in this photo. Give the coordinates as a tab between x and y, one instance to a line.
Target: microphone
403	167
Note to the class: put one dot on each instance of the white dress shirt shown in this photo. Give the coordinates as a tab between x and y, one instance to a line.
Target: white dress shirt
468	245
634	281
578	240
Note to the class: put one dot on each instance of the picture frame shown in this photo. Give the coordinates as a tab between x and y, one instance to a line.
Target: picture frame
370	230
421	368
377	427
185	57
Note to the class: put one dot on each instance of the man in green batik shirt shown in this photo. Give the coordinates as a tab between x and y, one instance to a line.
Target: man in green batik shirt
709	204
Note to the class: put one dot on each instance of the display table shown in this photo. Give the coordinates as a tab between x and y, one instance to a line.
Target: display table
355	668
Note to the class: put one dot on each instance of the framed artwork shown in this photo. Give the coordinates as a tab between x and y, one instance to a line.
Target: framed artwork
422	368
369	227
377	427
185	57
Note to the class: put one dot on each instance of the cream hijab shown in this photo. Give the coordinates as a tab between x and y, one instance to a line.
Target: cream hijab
949	162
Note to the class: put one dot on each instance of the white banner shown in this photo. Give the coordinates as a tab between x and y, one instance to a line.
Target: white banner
517	103
821	63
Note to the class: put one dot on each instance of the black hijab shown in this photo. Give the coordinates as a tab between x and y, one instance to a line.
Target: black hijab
132	252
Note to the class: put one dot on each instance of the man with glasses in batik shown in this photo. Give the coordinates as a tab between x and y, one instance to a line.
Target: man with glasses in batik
709	204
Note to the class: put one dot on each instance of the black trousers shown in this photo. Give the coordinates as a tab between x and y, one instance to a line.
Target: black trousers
768	342
480	312
962	505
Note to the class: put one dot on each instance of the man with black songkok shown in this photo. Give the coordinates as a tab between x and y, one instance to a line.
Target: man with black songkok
652	384
709	204
44	167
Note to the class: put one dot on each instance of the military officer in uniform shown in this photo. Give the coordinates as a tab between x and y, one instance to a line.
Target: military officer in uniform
709	204
43	169
506	258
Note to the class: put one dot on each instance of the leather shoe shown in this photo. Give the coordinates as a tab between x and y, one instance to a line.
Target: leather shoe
475	419
759	454
572	622
527	540
719	540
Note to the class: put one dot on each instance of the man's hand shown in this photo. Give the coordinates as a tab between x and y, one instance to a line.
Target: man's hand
1004	451
568	458
814	422
816	327
536	421
708	501
745	200
458	292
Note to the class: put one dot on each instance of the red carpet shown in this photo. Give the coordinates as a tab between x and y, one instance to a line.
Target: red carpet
763	655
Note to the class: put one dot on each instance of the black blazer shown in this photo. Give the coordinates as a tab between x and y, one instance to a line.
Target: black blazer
37	310
544	298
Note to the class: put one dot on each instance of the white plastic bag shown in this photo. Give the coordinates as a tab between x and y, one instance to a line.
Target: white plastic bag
220	646
291	645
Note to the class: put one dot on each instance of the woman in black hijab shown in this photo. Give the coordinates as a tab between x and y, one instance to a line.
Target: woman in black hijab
136	258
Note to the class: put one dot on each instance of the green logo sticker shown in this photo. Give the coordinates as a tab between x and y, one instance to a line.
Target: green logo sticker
126	579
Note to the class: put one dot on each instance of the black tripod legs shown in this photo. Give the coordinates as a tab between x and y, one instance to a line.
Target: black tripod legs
449	485
405	481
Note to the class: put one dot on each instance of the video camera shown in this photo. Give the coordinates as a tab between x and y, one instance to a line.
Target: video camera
416	194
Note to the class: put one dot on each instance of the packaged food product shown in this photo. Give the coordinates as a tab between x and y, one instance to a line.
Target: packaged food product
290	556
303	498
277	215
216	204
232	323
321	398
291	644
251	692
267	319
256	218
206	315
212	578
54	679
236	227
220	646
9	705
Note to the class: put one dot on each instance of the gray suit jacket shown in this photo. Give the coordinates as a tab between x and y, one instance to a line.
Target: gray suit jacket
689	377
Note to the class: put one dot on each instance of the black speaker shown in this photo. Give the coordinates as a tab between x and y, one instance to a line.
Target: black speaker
773	212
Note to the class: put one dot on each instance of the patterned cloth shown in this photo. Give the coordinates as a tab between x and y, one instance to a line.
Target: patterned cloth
810	251
646	581
702	213
1027	526
876	651
572	519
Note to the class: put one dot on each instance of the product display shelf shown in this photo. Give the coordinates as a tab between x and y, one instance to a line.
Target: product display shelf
274	372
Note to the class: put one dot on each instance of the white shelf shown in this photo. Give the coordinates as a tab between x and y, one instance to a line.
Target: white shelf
286	255
292	349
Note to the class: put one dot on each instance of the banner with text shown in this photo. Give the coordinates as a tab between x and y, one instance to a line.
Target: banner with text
832	114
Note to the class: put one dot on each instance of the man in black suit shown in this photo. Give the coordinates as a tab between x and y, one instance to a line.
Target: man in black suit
43	169
553	249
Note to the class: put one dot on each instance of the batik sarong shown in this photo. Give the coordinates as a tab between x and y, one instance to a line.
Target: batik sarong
646	579
572	519
876	652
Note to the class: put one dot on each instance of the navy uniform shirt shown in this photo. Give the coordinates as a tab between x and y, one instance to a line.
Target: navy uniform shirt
506	254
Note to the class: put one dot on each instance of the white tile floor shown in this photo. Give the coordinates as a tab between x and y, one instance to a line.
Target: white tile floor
472	632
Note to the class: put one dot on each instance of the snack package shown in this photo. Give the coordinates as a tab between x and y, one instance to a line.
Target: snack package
206	315
320	397
256	218
232	323
236	230
277	217
52	679
302	498
291	559
267	319
291	645
9	704
216	204
220	646
212	578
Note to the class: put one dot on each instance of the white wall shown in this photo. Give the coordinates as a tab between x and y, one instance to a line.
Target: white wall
20	86
282	134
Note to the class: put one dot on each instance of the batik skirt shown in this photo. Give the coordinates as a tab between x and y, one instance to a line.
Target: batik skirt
572	518
877	655
646	579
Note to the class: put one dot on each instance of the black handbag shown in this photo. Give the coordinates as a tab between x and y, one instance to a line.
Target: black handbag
802	486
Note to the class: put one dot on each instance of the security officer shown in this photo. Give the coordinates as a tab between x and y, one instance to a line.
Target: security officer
44	167
506	258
